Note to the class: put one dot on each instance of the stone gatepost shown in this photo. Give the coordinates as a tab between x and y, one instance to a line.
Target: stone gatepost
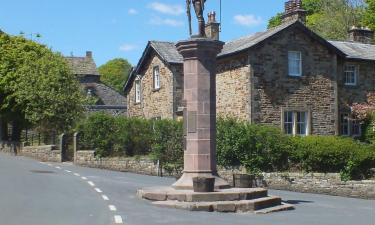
75	145
200	113
62	147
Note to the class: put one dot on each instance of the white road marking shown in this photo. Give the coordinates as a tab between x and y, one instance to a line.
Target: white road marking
49	164
118	219
42	163
91	183
98	190
77	174
57	167
68	171
84	178
105	197
112	207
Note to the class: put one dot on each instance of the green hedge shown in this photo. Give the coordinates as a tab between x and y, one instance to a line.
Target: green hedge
257	148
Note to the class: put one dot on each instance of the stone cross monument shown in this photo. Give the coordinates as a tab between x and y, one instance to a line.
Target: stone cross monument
199	55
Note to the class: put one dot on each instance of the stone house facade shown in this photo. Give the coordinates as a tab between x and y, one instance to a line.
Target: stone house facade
287	76
106	98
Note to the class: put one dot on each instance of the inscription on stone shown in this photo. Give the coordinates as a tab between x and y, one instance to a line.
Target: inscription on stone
192	121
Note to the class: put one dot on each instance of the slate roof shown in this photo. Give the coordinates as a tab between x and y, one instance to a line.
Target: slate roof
249	41
167	50
82	65
107	95
355	50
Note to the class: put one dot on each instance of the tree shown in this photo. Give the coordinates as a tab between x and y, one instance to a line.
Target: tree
115	73
369	14
364	110
37	87
332	18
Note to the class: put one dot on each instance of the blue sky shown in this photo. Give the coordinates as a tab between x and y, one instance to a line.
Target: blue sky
121	28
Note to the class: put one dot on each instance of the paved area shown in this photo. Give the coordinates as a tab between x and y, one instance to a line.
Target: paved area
32	193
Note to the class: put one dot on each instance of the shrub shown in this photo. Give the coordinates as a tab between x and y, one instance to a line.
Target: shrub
98	130
258	148
167	144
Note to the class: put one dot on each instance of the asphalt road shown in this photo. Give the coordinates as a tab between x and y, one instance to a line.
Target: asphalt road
32	193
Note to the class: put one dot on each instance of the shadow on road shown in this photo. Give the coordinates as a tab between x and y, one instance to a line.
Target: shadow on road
296	202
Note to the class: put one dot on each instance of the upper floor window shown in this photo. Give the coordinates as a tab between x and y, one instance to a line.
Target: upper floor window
156	76
295	63
296	123
350	74
137	91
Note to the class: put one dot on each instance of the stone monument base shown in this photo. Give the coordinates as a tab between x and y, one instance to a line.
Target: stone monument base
233	200
186	181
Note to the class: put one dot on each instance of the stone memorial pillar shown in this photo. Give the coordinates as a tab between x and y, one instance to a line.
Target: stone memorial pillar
200	113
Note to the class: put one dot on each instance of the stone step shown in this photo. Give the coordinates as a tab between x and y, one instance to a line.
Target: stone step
278	208
234	194
224	206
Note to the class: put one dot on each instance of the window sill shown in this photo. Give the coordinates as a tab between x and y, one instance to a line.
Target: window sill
137	103
156	89
295	76
351	85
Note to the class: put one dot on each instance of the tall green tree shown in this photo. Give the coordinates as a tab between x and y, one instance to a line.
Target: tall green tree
369	14
330	18
37	87
115	73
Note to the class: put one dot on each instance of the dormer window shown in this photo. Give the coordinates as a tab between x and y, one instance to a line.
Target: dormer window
295	63
351	74
156	75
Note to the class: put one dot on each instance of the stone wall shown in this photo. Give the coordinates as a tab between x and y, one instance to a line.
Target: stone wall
46	153
8	147
274	91
320	183
358	93
154	103
233	87
140	166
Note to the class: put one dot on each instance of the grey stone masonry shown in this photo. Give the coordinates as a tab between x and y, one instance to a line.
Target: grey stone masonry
321	183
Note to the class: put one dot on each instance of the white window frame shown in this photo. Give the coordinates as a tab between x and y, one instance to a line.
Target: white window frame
351	125
156	77
137	90
351	72
298	59
295	123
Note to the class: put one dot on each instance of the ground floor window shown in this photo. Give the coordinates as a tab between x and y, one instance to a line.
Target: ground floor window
349	126
296	123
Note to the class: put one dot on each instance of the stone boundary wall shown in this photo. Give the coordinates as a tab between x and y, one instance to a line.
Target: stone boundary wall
9	147
320	183
123	164
45	153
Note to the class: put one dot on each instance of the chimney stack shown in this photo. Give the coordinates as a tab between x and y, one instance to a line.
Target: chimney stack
212	27
294	11
89	54
361	34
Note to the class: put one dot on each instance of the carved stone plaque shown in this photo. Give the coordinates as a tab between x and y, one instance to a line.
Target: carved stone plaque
192	121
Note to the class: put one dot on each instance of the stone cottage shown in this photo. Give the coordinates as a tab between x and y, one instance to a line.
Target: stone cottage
106	98
287	76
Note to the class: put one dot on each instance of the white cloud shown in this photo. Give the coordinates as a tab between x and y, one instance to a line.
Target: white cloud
248	20
167	9
168	22
127	47
132	11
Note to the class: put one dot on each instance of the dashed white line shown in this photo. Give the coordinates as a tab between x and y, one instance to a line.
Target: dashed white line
98	190
84	178
77	174
91	183
49	164
105	197
118	219
68	171
112	207
57	167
